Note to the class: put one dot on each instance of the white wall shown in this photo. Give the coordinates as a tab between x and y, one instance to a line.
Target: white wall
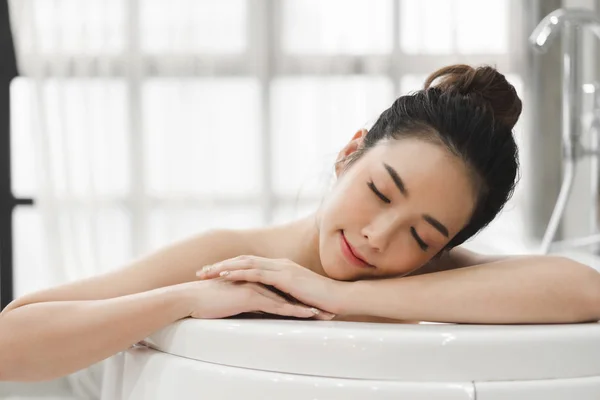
578	218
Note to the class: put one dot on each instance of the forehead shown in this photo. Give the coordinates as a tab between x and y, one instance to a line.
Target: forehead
436	180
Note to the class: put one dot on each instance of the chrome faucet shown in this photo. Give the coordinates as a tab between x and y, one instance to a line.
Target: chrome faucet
570	23
547	30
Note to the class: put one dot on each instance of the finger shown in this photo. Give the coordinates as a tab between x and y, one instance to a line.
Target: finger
271	294
270	278
255	275
324	315
242	262
278	280
318	313
213	271
288	297
286	309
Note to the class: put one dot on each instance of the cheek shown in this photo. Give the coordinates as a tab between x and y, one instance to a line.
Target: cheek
333	266
404	257
348	207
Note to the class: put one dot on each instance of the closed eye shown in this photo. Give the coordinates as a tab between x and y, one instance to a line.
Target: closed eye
424	246
378	193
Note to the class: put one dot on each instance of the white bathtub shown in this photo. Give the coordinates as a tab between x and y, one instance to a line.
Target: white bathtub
278	359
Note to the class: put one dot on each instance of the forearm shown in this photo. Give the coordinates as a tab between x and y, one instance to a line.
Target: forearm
43	341
526	290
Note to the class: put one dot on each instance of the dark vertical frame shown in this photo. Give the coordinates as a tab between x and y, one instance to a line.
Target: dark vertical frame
8	70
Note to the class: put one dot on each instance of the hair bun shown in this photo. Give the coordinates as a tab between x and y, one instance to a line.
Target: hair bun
486	82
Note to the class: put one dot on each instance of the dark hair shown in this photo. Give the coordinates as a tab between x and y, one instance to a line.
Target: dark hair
471	111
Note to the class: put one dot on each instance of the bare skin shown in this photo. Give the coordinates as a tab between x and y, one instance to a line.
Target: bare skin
298	240
57	331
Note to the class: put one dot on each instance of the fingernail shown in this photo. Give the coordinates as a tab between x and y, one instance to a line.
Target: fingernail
315	311
224	273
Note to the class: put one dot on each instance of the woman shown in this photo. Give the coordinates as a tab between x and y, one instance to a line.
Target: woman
436	167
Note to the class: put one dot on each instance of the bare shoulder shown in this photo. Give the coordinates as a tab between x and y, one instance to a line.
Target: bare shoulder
458	257
170	265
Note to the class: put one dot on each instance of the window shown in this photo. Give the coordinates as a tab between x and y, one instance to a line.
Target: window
191	114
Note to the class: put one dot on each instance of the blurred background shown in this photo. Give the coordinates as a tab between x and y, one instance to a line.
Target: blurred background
129	124
134	123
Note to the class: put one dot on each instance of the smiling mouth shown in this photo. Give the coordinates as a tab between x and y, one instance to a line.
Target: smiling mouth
350	254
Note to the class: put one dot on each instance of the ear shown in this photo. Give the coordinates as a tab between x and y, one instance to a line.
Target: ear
350	148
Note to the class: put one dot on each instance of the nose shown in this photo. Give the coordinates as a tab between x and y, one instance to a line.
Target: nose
380	232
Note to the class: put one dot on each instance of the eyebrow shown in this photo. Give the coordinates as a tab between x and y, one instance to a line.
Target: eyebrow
396	178
436	224
428	218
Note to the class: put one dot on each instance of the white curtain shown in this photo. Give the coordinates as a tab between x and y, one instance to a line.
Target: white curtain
111	132
70	112
137	122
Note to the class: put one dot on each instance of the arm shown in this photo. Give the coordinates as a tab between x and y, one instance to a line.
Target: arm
458	257
56	331
532	289
47	340
454	259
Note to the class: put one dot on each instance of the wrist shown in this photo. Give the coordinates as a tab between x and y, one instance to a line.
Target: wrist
350	299
181	299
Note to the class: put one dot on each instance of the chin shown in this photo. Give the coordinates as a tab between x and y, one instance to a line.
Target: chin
339	272
337	268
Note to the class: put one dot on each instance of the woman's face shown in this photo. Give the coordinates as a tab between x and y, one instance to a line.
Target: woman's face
394	208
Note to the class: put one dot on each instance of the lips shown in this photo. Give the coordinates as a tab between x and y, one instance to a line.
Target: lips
351	254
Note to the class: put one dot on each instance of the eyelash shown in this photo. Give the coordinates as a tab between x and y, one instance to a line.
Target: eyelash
378	193
424	246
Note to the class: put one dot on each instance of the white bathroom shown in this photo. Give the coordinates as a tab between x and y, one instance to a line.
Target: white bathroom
299	199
